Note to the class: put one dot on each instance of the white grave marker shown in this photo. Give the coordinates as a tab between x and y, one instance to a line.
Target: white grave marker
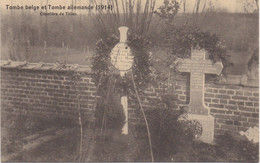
122	59
198	66
121	55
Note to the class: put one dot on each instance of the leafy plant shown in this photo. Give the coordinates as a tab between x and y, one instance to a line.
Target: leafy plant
168	10
169	134
181	39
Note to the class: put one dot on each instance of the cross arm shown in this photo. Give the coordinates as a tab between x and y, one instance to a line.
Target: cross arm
213	68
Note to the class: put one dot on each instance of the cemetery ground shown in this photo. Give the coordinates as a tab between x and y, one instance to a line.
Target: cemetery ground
36	139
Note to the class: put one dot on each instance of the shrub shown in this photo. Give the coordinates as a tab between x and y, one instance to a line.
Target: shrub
168	133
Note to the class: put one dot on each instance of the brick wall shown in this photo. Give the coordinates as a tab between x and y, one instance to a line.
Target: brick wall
46	92
235	108
52	92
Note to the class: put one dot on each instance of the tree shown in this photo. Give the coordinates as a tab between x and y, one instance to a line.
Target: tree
179	39
130	13
250	6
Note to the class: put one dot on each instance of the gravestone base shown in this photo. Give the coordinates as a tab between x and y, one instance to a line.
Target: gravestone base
207	122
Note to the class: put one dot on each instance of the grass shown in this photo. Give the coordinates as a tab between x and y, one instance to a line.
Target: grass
113	147
16	129
64	148
110	146
20	131
226	149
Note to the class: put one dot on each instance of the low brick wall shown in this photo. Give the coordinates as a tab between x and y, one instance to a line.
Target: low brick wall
54	92
46	92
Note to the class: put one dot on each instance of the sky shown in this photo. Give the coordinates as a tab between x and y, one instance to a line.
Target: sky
228	5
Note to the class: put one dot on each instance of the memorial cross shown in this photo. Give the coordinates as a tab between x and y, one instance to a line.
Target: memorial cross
198	66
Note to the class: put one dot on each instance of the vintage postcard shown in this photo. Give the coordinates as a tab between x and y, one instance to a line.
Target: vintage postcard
129	80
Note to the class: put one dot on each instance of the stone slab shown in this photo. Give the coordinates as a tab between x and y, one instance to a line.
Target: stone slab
207	122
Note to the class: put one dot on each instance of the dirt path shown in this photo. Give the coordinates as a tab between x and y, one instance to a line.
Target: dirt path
36	140
63	145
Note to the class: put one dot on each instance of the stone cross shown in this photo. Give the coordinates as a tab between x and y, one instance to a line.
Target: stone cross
198	66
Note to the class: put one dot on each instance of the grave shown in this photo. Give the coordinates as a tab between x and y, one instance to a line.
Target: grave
198	66
122	59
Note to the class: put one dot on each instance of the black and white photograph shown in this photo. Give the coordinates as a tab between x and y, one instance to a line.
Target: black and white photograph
129	80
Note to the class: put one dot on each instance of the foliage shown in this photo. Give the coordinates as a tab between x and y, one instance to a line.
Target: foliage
227	148
141	68
168	10
103	70
100	60
182	39
174	139
168	132
250	6
171	142
106	77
